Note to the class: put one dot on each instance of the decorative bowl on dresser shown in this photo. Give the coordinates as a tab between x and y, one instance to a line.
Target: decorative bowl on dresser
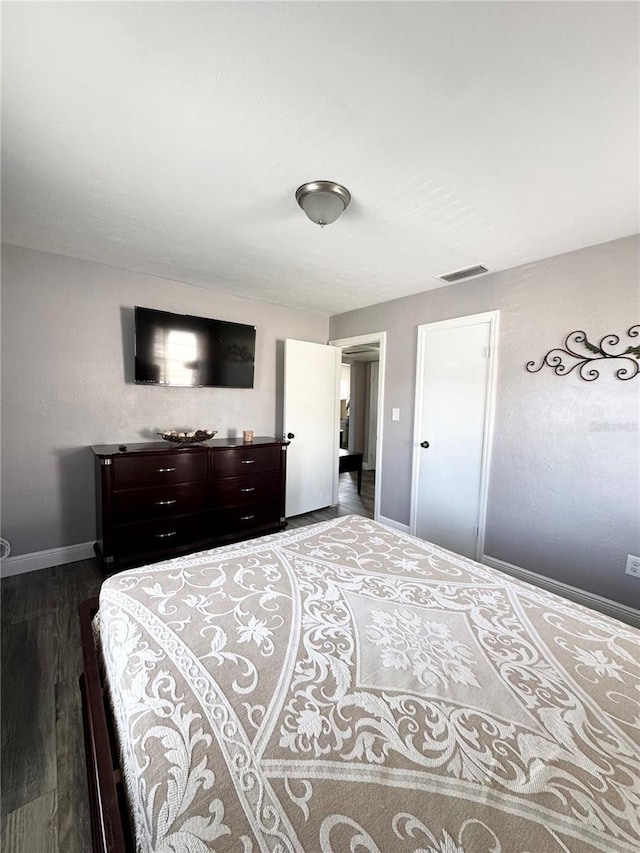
183	438
155	501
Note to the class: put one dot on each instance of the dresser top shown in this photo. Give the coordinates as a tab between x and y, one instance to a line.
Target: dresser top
161	446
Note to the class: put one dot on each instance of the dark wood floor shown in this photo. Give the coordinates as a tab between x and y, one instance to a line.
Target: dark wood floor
44	802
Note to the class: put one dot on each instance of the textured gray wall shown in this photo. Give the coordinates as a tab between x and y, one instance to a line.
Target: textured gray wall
67	364
564	496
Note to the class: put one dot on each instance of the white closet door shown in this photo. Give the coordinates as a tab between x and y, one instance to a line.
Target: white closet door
452	432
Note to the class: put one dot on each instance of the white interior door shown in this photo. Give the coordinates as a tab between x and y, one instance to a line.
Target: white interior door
455	376
311	416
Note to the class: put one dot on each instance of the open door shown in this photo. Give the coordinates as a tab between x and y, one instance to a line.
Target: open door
311	377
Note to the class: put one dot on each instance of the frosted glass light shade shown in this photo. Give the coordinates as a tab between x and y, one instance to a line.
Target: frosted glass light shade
323	201
322	208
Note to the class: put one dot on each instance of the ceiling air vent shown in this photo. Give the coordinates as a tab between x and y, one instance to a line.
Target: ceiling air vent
459	275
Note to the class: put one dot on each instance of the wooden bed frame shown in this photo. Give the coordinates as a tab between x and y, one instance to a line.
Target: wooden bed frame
110	828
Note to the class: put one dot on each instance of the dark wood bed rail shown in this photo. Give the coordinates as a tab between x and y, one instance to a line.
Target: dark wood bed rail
109	822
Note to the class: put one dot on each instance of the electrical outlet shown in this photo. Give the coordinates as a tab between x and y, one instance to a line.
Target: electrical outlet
633	566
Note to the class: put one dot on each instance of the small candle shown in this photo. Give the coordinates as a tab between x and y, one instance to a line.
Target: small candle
247	435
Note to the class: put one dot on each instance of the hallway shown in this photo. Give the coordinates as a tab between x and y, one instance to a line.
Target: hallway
349	501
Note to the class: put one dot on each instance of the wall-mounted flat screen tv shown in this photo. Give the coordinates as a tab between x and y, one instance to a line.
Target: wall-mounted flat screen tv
178	349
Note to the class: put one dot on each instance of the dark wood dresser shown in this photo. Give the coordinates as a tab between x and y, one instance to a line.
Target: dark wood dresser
155	501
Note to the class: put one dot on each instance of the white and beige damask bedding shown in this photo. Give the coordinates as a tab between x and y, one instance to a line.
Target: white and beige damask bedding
345	687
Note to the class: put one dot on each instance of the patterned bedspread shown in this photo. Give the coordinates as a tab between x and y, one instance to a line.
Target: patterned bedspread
345	687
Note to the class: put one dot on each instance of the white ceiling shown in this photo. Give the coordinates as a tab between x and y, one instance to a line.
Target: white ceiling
169	138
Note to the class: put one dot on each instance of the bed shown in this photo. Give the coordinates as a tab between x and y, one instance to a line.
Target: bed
347	687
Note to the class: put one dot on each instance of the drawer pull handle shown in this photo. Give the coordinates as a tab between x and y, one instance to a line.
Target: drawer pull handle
248	461
165	503
166	535
252	489
163	470
246	517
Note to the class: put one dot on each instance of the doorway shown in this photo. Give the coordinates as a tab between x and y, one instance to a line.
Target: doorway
455	391
360	406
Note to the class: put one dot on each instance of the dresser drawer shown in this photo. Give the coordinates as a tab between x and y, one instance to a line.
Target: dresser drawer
160	502
241	461
238	491
155	536
154	470
240	519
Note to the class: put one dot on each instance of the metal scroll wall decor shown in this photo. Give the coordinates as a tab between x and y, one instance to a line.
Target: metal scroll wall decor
564	360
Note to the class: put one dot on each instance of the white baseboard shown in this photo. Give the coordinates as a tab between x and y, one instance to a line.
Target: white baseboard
23	563
391	523
589	599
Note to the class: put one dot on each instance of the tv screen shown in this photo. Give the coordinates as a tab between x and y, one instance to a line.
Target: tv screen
178	349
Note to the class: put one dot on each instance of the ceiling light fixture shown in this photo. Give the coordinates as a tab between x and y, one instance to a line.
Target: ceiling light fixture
323	201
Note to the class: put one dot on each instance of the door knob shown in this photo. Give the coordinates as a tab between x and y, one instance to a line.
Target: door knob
424	444
290	435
